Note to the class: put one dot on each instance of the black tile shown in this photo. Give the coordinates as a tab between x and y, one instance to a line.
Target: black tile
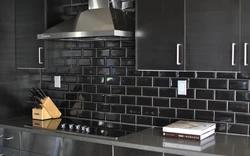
62	104
128	81
113	99
134	110
115	108
70	78
85	114
98	98
238	84
185	114
89	71
143	81
178	103
71	96
71	112
102	107
128	128
187	74
167	112
150	91
113	117
190	94
113	126
84	62
46	78
205	94
128	62
205	75
150	73
224	117
75	87
112	44
70	44
133	72
242	96
198	83
103	89
167	92
113	62
98	44
89	88
204	115
63	70
218	84
160	121
151	111
160	102
243	75
84	79
98	62
144	120
118	90
98	80
224	95
89	53
103	71
128	118
113	80
71	53
221	127
238	107
71	62
168	74
217	105
238	129
103	53
243	118
75	105
226	75
198	104
128	44
118	53
130	52
98	115
119	71
145	101
128	100
133	90
87	97
161	82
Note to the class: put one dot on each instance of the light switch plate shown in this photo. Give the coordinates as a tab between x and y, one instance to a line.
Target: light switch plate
57	81
182	87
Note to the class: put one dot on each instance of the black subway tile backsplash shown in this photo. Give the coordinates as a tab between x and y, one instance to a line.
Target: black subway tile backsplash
100	81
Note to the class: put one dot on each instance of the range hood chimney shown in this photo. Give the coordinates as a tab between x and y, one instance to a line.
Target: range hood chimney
103	21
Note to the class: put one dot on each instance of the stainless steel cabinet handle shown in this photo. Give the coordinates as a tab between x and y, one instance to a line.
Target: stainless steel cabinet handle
39	55
245	54
233	54
6	138
1	154
178	54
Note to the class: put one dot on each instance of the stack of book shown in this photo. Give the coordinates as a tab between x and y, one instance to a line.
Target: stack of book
189	130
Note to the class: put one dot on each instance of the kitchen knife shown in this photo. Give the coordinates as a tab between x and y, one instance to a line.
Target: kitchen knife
34	92
37	99
42	92
34	104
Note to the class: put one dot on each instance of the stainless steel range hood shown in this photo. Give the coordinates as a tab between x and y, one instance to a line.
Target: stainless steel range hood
100	22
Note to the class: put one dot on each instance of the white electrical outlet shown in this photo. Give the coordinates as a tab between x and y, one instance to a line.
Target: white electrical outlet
182	87
57	80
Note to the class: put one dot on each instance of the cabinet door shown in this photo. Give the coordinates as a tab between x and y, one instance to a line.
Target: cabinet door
245	20
29	22
212	35
120	151
160	34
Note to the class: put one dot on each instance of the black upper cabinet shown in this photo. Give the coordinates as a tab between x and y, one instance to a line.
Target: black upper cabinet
30	21
245	14
212	35
160	34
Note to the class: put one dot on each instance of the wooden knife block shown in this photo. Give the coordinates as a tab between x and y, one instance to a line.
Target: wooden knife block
48	110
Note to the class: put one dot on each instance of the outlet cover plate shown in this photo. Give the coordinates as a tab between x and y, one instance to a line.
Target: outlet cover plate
57	80
182	87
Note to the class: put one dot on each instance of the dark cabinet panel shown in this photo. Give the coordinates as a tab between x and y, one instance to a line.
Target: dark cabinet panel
78	148
120	151
30	17
212	35
41	144
245	22
160	34
10	138
23	153
8	151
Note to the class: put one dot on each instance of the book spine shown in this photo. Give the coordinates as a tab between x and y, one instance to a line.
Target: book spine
183	136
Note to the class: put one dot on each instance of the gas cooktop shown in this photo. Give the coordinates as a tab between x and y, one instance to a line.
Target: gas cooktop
97	129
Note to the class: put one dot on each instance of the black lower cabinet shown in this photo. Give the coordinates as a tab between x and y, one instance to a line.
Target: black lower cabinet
120	151
79	148
41	144
8	151
10	138
23	153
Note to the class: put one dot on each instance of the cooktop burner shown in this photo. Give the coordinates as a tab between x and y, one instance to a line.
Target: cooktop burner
98	129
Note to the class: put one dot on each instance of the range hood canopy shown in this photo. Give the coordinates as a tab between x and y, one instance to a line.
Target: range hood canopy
100	22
